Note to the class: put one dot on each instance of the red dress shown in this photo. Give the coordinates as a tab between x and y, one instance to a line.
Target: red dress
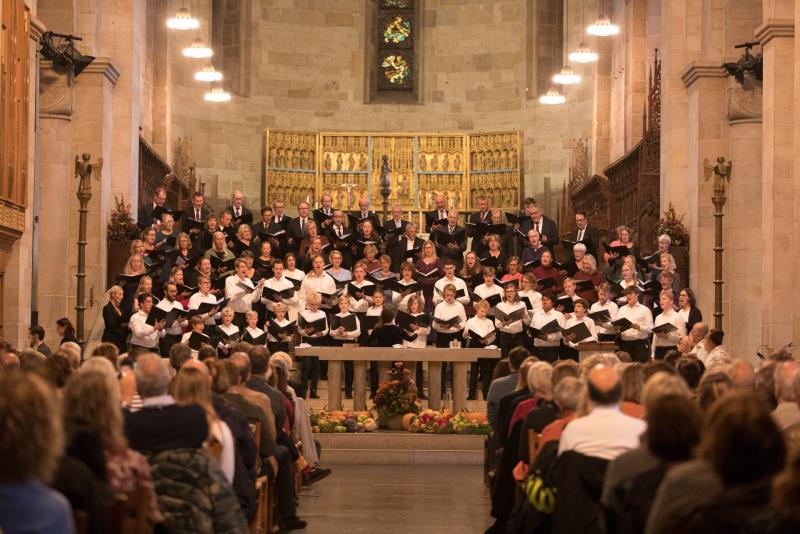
542	272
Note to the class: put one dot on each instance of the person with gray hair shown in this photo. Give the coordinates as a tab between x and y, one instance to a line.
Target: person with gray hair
161	424
787	413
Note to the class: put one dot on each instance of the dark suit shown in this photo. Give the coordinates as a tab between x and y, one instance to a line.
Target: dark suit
433	216
282	248
190	214
145	218
320	217
244	211
44	349
159	428
345	250
353	219
477	244
294	232
547	227
446	252
591	238
397	251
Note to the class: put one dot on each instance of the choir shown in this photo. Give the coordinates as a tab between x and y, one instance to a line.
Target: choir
327	277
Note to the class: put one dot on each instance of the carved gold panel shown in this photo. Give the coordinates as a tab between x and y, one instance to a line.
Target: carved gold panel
291	167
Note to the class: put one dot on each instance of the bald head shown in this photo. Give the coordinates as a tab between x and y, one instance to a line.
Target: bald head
743	375
604	385
195	364
785	373
152	376
699	332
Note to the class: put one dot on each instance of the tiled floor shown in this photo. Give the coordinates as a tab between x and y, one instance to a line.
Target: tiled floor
397	499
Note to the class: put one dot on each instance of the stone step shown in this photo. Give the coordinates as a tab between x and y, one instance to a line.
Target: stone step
398	447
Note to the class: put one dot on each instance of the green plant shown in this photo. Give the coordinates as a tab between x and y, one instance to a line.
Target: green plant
122	227
672	225
397	395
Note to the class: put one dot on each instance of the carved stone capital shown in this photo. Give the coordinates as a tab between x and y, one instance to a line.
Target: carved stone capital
55	92
774	28
104	66
702	69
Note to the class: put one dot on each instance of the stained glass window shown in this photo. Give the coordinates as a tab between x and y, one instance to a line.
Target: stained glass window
396	36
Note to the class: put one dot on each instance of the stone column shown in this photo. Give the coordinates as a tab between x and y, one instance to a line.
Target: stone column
706	137
778	235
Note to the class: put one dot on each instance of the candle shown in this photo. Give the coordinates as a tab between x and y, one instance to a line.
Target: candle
420	221
409	215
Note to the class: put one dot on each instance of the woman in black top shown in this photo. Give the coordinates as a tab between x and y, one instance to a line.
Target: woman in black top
116	327
388	334
66	331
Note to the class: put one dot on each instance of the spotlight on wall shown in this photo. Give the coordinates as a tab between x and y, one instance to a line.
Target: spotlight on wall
747	63
60	49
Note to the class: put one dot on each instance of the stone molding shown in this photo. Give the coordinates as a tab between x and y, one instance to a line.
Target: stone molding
702	69
37	29
773	28
55	92
104	66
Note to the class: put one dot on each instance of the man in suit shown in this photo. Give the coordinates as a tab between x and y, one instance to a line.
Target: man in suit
161	424
444	246
439	213
36	339
337	231
357	218
583	233
395	226
323	216
296	230
239	212
279	218
145	218
264	224
482	216
408	241
544	225
197	212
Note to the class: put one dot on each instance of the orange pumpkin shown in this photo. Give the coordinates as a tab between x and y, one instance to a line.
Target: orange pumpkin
477	417
407	418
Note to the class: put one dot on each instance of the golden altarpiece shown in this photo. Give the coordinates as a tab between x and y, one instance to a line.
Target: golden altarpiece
303	166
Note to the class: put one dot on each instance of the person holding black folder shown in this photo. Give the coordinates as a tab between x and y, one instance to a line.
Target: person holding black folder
510	317
588	278
173	332
407	249
360	290
205	239
488	290
252	333
204	296
368	235
280	330
449	318
143	335
279	289
167	235
341	237
634	323
462	292
312	323
345	330
240	214
477	224
438	217
480	332
548	270
195	337
451	239
528	294
495	258
296	276
546	328
405	288
622	246
532	253
570	350
607	309
668	327
222	259
241	293
429	269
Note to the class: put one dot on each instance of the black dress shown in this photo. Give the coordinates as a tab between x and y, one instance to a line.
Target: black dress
115	331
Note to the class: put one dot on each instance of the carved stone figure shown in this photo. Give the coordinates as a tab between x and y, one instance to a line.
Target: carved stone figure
721	172
84	170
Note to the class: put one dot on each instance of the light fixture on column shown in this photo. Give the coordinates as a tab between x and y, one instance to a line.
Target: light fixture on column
198	49
183	20
217	94
567	76
583	54
602	27
208	74
552	97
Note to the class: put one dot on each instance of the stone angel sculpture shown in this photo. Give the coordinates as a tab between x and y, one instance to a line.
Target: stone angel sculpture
84	170
721	172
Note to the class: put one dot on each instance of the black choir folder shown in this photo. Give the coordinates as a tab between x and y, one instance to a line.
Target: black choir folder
349	322
405	320
481	340
601	316
206	307
564	304
448	323
317	326
665	328
247	337
276	330
169	317
359	293
516	315
197	339
550	328
580	330
275	295
623	324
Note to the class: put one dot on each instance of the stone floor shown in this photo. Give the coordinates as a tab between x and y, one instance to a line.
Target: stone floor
398	499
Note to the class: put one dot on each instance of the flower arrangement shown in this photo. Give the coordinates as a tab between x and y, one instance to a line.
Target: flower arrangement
398	394
672	225
122	227
339	422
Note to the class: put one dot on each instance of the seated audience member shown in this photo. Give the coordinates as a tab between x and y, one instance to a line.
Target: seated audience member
92	407
691	370
161	424
501	387
633	379
785	513
746	450
673	430
29	416
567	395
787	413
713	351
742	374
545	412
509	403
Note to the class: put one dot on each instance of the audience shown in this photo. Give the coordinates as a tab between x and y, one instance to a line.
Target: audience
787	413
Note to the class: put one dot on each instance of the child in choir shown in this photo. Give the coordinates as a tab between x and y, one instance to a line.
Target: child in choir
375	310
511	329
226	330
400	300
529	295
240	299
360	301
342	336
280	342
664	342
204	296
488	290
416	309
605	331
571	350
569	291
449	318
197	327
252	332
450	278
481	370
279	282
309	372
547	346
633	339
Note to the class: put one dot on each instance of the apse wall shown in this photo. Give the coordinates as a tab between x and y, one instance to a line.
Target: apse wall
305	61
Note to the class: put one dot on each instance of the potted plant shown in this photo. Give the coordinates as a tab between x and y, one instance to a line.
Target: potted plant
121	230
396	397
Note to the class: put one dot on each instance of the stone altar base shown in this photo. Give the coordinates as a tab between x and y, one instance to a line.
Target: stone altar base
401	447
